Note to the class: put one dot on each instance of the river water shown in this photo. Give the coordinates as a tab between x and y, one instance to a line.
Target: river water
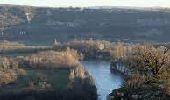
105	80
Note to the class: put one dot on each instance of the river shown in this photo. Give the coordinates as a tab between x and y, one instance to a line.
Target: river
105	80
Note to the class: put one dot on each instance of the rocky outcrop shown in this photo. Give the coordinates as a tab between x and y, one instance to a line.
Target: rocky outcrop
118	66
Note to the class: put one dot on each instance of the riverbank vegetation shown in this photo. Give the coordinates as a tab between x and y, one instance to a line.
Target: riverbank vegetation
7	45
9	71
14	48
149	78
148	66
89	49
46	75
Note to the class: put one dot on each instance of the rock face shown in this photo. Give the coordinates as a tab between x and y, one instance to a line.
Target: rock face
120	67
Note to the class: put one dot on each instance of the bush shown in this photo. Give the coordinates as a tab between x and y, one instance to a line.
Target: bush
9	70
52	60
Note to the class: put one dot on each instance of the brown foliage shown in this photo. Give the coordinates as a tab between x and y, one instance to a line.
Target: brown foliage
148	60
89	45
150	67
135	81
7	77
52	59
78	72
7	45
9	70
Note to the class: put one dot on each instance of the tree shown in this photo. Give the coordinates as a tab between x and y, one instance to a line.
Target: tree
149	60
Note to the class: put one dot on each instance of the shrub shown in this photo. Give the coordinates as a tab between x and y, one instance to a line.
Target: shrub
52	60
9	70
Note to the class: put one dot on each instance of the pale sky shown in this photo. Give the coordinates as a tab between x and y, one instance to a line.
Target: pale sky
86	3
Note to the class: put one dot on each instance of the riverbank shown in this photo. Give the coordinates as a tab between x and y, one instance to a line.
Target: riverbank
149	90
48	75
147	76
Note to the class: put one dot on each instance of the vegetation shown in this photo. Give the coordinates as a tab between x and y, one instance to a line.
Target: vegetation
8	48
52	60
90	45
27	23
149	68
52	75
9	71
6	45
89	49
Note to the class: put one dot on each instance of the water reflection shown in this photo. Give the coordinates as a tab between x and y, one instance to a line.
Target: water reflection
105	80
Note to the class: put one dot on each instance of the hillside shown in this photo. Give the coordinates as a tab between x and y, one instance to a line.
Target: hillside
43	25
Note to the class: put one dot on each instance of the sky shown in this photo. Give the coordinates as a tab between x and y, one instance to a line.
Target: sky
87	3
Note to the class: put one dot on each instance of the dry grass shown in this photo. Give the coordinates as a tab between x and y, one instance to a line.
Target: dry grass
52	60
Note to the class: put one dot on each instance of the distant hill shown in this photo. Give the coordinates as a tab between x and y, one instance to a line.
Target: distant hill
43	25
